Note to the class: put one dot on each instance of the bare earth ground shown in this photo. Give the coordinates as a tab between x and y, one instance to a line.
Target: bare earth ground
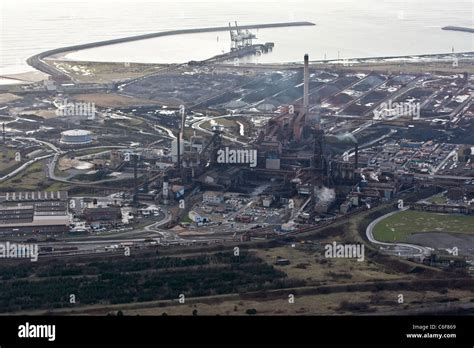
464	242
308	305
379	302
8	97
112	100
413	68
46	114
101	72
28	77
312	266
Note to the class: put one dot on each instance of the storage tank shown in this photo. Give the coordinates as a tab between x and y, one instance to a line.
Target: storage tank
76	136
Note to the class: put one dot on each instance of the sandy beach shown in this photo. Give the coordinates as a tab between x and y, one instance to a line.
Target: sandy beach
22	78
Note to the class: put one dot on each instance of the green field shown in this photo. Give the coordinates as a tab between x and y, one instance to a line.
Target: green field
397	227
438	199
31	179
7	160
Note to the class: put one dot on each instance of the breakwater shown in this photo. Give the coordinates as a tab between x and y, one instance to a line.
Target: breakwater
37	61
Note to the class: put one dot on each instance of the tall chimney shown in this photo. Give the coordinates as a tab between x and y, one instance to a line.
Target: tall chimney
356	155
306	82
183	123
178	140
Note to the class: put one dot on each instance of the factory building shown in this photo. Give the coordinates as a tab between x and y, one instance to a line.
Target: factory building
213	197
197	218
267	201
24	220
194	216
34	212
33	196
188	151
102	214
214	180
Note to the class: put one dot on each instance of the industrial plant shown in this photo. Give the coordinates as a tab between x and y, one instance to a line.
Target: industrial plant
342	182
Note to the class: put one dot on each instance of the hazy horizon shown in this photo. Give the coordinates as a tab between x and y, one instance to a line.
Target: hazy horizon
363	28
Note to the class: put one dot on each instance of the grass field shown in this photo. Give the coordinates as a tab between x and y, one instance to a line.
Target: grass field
438	199
58	186
311	266
33	178
111	100
7	159
323	304
397	227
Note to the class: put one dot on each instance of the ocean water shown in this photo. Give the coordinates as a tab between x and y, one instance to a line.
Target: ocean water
344	28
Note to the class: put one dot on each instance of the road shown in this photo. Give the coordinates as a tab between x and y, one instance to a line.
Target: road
41	142
52	165
137	238
34	160
399	249
23	167
440	176
197	126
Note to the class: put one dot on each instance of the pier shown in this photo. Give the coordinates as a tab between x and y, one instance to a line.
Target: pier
37	61
453	28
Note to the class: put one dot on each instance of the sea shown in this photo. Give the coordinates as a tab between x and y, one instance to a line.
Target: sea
344	28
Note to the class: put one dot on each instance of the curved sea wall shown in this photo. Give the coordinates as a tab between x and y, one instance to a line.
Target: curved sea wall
37	62
465	29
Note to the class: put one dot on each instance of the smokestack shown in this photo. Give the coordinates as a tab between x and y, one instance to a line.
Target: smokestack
356	155
135	176
306	82
181	133
165	187
179	150
135	169
183	124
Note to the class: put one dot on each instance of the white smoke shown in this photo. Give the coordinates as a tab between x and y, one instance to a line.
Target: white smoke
346	137
374	176
325	195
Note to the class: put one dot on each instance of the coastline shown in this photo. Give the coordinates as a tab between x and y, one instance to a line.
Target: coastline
41	64
37	61
37	76
23	77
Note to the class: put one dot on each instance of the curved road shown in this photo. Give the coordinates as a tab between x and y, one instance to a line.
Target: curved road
197	125
52	164
23	167
399	249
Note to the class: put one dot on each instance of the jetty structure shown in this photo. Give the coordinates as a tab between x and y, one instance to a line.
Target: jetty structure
454	28
37	61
